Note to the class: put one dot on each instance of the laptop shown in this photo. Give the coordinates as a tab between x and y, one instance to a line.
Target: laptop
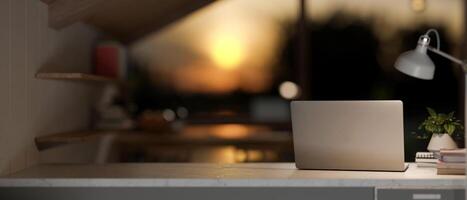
348	135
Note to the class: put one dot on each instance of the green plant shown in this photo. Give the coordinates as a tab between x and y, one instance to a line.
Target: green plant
440	123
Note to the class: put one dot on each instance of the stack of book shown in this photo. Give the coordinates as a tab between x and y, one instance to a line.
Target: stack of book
451	162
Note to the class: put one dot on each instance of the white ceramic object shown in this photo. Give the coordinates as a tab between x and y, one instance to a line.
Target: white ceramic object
441	141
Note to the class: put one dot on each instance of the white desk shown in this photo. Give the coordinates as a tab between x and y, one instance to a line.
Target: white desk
222	175
267	175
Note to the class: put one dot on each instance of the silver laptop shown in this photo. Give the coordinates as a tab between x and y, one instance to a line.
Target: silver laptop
348	135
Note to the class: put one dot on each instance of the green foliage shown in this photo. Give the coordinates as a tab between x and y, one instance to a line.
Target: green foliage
440	123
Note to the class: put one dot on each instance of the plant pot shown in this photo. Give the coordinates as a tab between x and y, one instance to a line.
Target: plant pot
441	141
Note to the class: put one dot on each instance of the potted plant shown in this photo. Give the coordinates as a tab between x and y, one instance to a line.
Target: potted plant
441	126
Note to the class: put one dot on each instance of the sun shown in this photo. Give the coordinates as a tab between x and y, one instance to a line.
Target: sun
227	51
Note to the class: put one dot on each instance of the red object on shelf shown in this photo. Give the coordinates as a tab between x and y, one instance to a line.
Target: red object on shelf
110	60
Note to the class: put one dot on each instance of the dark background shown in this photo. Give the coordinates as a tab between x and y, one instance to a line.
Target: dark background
345	60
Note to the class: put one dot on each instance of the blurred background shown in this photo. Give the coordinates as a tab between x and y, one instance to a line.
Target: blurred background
218	83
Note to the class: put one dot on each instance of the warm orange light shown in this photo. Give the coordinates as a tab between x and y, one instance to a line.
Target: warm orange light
227	51
418	5
240	156
205	79
231	131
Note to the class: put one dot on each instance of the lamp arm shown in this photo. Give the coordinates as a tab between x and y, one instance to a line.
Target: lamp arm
432	30
451	58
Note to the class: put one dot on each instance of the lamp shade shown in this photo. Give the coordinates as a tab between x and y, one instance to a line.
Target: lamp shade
416	63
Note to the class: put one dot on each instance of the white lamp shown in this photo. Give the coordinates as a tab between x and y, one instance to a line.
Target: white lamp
416	62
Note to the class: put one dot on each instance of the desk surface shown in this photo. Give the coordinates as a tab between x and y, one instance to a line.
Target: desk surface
221	175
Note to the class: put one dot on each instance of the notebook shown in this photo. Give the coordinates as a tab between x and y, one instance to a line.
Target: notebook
426	159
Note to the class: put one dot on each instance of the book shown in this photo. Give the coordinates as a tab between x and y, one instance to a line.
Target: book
446	171
446	165
458	152
453	156
444	168
111	60
453	159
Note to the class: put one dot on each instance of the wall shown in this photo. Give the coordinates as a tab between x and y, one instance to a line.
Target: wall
32	107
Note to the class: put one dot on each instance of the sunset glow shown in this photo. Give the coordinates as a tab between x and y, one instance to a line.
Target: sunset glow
236	45
227	51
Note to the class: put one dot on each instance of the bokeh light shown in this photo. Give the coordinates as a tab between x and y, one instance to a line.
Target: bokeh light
289	90
231	131
418	5
168	115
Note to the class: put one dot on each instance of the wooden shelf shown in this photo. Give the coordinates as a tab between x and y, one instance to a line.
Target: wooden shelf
74	76
127	20
157	138
59	139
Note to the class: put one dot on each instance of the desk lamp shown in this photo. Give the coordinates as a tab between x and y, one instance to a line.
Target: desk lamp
416	63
